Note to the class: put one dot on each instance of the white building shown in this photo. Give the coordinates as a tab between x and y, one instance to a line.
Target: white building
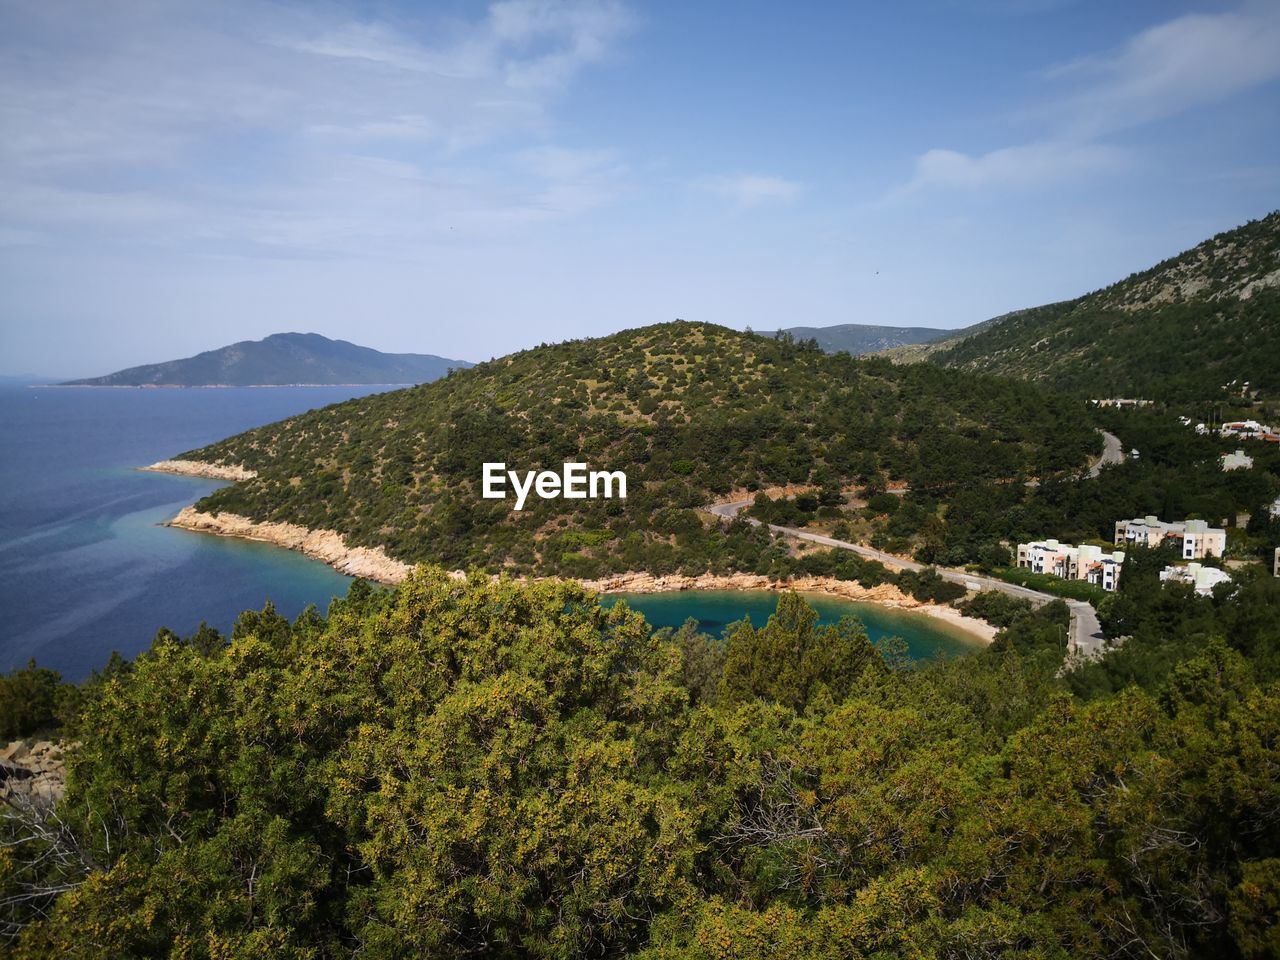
1249	429
1237	461
1122	402
1087	562
1203	578
1196	539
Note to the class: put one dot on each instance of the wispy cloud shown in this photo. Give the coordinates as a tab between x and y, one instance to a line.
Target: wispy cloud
1169	68
140	112
1172	67
750	190
1030	164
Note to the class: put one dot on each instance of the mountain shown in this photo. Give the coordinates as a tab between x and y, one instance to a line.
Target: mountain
1180	330
689	411
283	359
860	338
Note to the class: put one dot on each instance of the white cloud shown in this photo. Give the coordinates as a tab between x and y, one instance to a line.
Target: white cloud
302	127
1169	68
1031	164
1174	66
750	190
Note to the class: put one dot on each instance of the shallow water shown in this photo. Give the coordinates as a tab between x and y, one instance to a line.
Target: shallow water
86	568
926	636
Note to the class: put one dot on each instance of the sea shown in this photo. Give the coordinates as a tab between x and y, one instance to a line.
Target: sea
86	567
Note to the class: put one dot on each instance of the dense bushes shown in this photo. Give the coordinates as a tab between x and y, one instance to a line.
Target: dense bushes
474	769
690	411
31	700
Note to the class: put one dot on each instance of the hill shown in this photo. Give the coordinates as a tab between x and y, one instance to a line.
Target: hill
689	411
1178	331
860	338
283	359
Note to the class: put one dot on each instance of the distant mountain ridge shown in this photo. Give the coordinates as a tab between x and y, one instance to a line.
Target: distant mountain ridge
860	338
283	359
1181	329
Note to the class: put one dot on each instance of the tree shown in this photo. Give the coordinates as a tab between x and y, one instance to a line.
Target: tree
791	658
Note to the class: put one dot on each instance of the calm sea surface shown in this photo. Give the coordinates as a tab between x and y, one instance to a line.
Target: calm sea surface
715	609
85	567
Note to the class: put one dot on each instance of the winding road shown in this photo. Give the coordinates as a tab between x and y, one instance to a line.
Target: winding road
1112	453
1086	640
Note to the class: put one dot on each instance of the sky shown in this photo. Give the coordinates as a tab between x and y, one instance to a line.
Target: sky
469	179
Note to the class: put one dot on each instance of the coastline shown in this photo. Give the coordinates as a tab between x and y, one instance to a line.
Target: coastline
370	563
207	386
886	594
197	468
373	563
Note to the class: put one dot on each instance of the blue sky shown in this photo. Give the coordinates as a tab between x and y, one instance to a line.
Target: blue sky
468	179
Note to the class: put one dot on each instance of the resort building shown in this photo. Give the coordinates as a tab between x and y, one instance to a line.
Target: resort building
1089	563
1250	430
1237	461
1196	539
1203	578
1123	403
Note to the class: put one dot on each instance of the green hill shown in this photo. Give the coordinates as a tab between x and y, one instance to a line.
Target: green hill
1180	330
689	411
283	359
860	338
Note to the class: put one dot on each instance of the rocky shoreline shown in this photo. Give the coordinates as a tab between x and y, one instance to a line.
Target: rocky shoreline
372	563
196	468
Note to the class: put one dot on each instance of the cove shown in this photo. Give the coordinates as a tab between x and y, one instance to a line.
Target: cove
927	637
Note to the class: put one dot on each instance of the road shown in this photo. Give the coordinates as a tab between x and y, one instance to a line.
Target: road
1112	453
1086	640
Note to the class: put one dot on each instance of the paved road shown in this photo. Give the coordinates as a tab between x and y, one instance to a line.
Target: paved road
1112	452
1086	638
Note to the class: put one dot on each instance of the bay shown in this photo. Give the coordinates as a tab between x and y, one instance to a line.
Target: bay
926	637
86	567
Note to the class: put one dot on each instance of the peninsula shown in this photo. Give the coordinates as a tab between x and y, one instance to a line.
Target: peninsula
283	359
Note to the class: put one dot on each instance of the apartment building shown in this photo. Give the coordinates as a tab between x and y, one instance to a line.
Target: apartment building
1196	539
1202	578
1069	562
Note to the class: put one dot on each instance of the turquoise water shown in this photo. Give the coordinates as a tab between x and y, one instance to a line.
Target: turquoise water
86	568
714	610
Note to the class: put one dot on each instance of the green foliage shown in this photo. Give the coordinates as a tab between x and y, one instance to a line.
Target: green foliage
791	658
474	768
689	411
1178	331
31	699
1047	583
997	608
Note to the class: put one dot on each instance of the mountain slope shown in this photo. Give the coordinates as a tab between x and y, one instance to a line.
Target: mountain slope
283	359
689	411
1179	330
860	338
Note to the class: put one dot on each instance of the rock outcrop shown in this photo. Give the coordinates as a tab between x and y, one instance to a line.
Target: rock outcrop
371	563
196	468
33	774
